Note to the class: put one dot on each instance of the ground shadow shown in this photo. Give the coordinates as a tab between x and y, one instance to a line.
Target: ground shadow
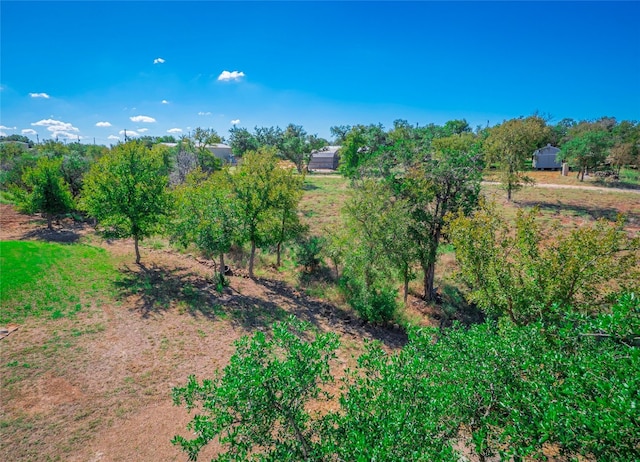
157	289
309	186
616	184
63	236
595	213
320	313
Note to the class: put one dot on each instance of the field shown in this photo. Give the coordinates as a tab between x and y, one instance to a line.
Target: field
87	376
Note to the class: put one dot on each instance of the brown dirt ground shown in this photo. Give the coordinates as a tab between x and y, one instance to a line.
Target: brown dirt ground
105	395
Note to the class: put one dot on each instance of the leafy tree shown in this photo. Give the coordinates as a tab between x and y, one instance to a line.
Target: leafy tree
339	133
285	223
254	186
586	150
448	180
359	146
204	138
126	191
258	407
241	141
46	190
530	275
499	389
207	216
510	144
622	154
377	223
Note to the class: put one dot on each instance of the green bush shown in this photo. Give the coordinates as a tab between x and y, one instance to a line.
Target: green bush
307	253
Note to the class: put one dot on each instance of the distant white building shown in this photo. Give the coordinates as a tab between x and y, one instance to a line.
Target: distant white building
324	159
545	158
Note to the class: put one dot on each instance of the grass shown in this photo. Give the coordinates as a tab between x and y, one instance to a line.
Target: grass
51	280
323	198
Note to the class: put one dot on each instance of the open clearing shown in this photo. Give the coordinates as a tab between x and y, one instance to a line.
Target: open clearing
87	376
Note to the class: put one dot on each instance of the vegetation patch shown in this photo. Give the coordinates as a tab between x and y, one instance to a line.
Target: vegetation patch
51	280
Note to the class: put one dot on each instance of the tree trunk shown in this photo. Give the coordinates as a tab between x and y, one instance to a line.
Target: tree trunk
582	174
222	265
135	242
251	258
278	253
509	192
428	281
406	288
50	221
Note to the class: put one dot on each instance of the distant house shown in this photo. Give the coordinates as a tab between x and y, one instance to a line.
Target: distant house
324	159
545	158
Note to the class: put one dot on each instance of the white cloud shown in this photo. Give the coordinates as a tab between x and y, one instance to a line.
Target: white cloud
235	121
226	76
29	131
174	130
158	61
39	95
113	137
141	118
3	133
103	124
2	127
129	133
58	128
142	130
164	101
201	113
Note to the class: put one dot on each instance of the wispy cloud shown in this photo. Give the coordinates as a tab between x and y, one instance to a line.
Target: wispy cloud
29	131
164	101
103	124
158	61
227	76
2	127
235	121
142	130
59	129
129	133
142	118
113	137
202	113
174	130
39	95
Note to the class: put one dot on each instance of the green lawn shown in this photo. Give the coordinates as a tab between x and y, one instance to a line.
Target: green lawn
51	280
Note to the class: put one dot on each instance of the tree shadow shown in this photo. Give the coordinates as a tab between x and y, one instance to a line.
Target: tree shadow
156	289
595	213
320	314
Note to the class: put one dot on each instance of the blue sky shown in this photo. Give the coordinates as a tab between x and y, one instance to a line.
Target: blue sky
93	69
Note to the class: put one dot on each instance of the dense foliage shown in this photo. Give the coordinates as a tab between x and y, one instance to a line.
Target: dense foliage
506	390
126	191
530	274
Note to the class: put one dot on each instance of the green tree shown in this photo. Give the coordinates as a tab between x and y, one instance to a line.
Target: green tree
360	145
258	407
207	216
512	143
46	190
377	223
241	140
204	139
254	186
447	180
126	191
531	275
586	150
285	225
